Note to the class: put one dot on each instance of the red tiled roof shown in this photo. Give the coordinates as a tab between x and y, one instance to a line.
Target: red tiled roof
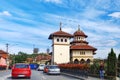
82	47
80	33
43	57
79	42
60	34
1	51
3	54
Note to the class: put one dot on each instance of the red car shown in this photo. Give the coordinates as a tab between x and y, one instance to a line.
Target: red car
46	69
21	70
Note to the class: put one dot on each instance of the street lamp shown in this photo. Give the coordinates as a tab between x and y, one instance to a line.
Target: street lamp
7	59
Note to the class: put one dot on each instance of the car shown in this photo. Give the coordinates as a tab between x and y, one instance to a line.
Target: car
21	70
46	69
41	67
53	69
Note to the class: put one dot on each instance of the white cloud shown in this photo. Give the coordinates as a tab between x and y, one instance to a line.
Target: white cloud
5	13
115	14
54	1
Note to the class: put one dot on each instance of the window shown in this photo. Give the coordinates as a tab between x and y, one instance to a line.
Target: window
82	53
57	40
61	40
65	40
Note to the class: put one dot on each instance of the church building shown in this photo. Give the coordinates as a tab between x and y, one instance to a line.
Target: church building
64	50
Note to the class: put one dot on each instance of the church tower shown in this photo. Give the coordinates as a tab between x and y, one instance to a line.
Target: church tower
80	50
60	46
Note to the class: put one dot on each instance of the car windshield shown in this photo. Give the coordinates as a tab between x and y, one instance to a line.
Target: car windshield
42	65
52	67
21	66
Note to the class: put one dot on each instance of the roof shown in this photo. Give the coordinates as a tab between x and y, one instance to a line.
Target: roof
79	42
79	33
82	47
60	33
3	54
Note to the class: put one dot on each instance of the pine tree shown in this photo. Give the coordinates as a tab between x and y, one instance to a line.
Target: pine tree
118	65
111	63
119	58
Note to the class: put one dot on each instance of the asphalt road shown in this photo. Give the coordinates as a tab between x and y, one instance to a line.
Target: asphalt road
36	75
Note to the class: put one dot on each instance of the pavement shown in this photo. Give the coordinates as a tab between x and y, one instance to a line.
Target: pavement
83	78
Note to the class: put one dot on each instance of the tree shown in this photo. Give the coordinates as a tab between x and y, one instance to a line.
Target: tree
118	65
111	63
119	58
20	57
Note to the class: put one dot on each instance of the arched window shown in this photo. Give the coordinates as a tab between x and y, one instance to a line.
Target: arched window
57	40
76	61
82	61
61	40
88	61
65	40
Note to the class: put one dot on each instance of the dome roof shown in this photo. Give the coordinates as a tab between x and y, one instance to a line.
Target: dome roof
79	33
60	34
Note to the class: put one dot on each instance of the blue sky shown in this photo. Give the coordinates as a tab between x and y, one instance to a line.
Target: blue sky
24	23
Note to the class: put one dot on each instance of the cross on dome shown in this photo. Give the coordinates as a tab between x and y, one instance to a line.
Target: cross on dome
78	27
60	26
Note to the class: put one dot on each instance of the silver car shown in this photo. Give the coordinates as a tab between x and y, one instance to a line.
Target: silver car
41	67
53	69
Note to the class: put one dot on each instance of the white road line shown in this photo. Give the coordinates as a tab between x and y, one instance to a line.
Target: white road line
43	78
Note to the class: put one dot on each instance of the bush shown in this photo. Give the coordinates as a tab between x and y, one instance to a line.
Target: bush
74	66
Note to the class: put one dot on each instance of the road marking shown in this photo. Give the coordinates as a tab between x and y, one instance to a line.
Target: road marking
43	78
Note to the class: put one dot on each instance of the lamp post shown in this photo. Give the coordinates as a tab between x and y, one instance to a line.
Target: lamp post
7	59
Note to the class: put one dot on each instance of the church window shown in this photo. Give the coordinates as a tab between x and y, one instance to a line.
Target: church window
61	40
65	40
82	53
57	40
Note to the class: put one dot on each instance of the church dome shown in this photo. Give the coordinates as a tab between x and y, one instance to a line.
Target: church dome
79	33
60	33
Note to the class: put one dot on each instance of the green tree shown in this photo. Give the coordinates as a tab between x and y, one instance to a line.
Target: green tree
119	58
118	65
111	64
20	57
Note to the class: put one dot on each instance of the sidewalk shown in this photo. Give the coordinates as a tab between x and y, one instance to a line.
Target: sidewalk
82	78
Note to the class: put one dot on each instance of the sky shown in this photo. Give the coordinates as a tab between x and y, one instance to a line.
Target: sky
27	24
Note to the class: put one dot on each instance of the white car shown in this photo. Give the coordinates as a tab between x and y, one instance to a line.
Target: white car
53	69
41	67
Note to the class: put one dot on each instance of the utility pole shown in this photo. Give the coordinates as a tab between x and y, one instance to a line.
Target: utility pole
7	59
7	47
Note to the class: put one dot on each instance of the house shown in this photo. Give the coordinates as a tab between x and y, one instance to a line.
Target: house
3	58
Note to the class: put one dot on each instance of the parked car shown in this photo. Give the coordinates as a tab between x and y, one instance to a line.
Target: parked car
53	69
46	69
33	66
41	67
21	70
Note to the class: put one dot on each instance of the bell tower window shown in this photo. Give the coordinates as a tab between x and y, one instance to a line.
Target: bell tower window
57	40
65	40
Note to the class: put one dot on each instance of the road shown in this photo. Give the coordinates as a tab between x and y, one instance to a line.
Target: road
36	75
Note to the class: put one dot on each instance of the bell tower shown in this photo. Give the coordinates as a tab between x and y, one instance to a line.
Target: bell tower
60	46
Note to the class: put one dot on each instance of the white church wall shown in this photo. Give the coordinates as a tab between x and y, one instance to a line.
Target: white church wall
61	54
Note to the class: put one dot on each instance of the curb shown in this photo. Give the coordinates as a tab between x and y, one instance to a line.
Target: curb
78	77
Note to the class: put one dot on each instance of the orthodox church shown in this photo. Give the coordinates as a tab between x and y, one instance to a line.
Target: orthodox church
68	47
